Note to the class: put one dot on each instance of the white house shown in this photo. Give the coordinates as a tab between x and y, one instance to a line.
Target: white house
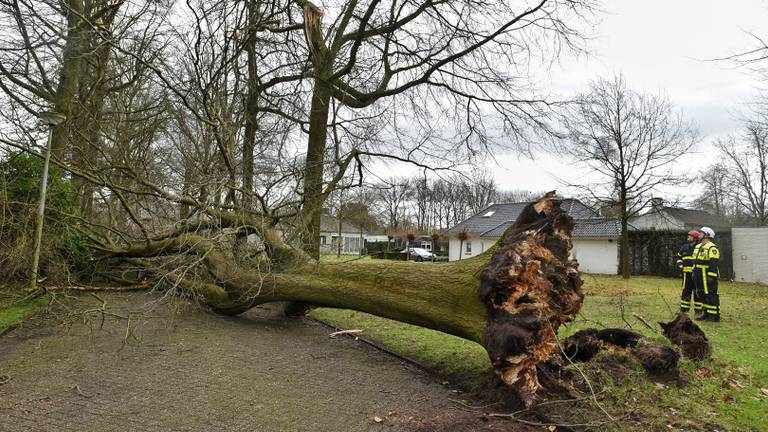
595	239
351	238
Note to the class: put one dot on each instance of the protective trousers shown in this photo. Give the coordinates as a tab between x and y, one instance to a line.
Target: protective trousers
689	289
712	298
706	287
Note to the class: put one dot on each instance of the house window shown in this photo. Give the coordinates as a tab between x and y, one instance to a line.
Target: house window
468	248
490	213
323	240
352	245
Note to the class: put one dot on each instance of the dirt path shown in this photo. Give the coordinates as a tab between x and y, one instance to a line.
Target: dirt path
183	369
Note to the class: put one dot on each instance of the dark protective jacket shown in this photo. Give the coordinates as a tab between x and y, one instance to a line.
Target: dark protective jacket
685	257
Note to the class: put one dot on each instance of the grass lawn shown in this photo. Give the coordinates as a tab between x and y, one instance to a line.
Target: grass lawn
725	391
13	309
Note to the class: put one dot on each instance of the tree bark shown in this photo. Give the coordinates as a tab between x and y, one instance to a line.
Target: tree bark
313	168
66	91
625	273
92	88
252	105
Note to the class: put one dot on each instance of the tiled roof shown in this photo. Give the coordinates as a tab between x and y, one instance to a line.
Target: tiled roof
331	224
697	218
479	223
597	227
494	220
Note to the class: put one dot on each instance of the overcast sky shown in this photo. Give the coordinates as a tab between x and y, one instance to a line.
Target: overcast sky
660	47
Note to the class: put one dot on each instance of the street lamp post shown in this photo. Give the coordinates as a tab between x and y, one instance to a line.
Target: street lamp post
51	119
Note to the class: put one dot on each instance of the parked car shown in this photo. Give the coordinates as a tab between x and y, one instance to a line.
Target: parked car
419	254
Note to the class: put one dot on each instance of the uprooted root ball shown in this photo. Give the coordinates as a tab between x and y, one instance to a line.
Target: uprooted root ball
530	288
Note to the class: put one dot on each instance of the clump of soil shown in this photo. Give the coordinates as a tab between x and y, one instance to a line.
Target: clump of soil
661	361
688	336
656	357
585	344
582	345
619	337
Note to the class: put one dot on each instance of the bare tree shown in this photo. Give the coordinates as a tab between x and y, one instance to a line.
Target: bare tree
745	160
630	141
717	191
516	195
482	191
393	197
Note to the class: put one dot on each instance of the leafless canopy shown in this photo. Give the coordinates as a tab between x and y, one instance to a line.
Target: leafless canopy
743	179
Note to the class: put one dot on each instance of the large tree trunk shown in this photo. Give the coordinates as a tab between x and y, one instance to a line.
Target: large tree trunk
318	131
624	252
88	118
313	169
512	306
69	78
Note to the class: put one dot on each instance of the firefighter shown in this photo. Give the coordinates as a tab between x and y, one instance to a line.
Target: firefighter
706	257
685	264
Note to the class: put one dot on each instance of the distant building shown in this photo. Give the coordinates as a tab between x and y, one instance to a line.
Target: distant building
595	239
661	217
351	238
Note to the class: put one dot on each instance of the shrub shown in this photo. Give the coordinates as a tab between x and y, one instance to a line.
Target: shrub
63	248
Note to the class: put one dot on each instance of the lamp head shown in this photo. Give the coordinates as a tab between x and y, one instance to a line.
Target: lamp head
51	118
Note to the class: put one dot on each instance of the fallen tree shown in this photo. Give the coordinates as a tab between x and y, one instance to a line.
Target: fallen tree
511	300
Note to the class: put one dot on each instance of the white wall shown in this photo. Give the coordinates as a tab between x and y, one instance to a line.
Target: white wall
659	221
479	245
750	256
594	255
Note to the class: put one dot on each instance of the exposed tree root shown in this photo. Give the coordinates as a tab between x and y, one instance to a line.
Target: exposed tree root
530	288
